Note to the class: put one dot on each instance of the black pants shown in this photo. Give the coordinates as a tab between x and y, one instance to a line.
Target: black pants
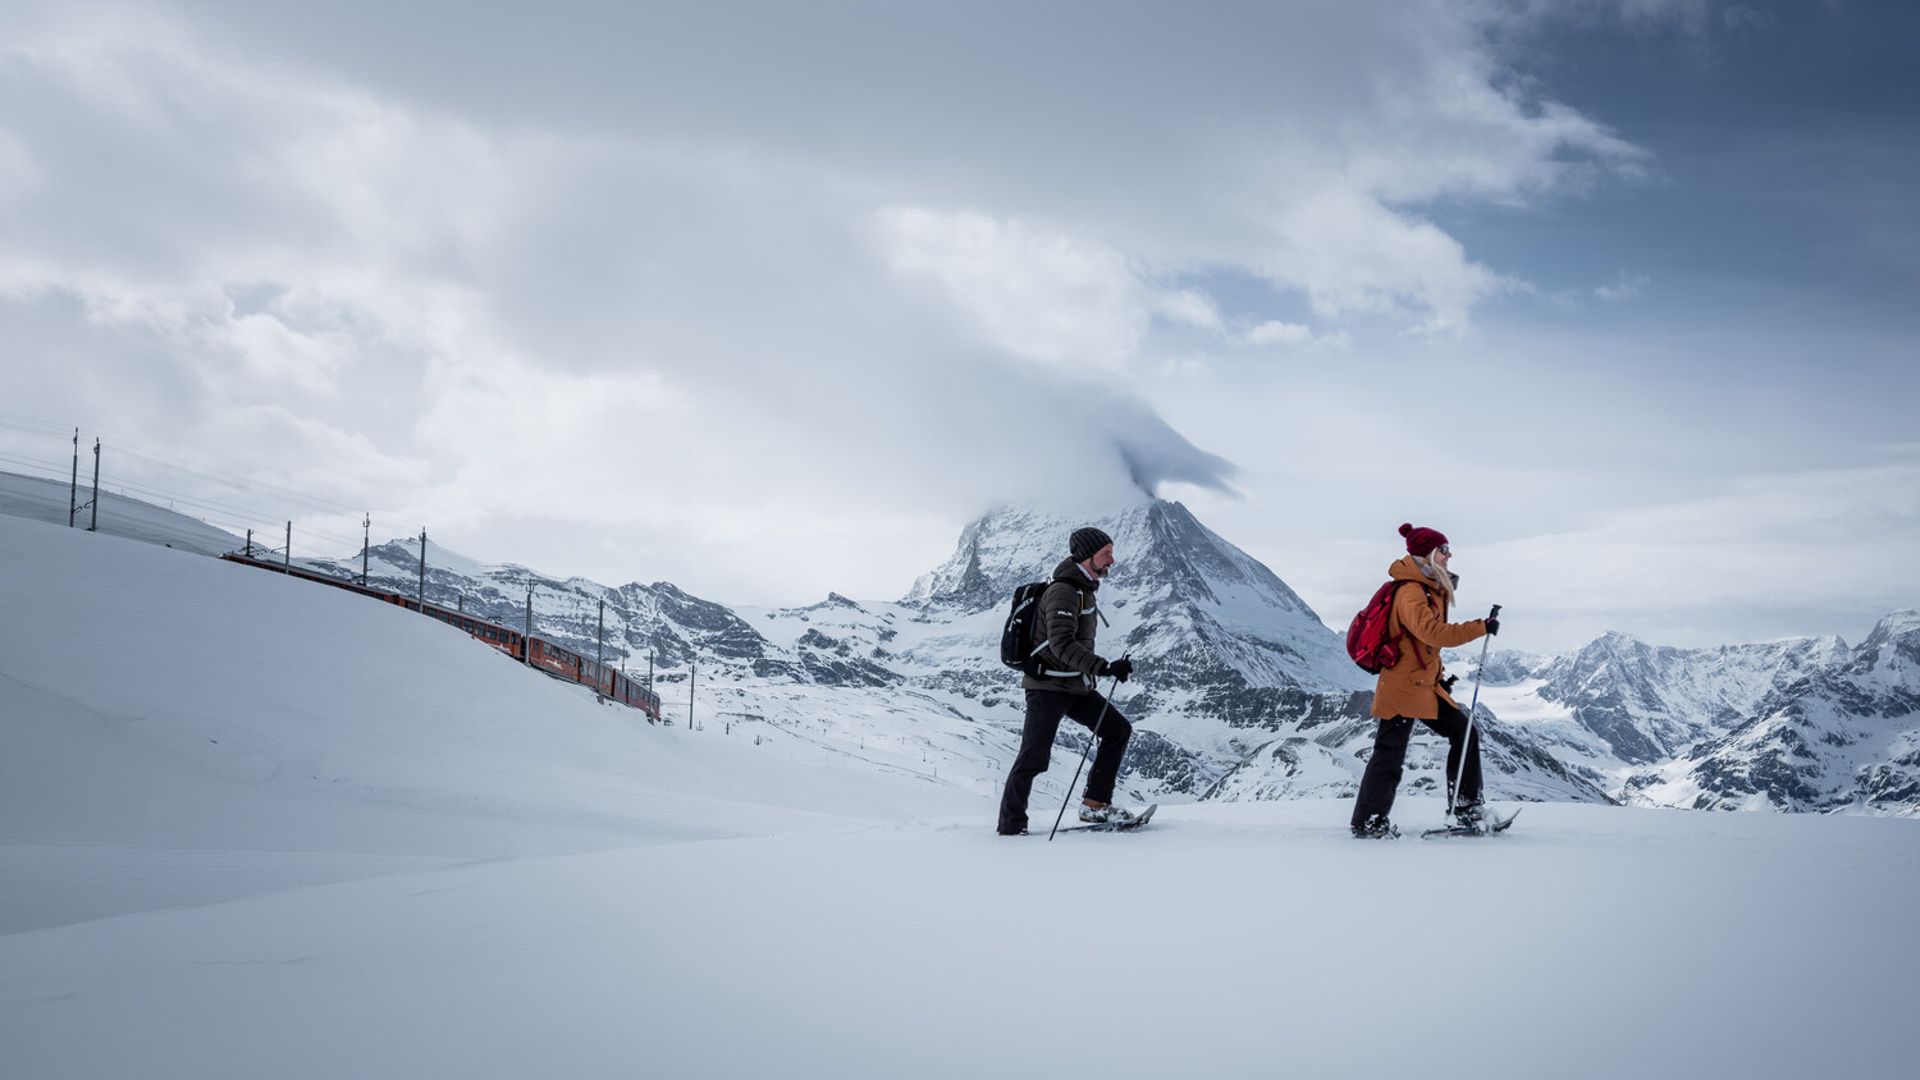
1044	710
1382	779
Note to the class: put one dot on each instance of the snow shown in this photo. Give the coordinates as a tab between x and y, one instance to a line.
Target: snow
50	501
251	826
1226	941
160	701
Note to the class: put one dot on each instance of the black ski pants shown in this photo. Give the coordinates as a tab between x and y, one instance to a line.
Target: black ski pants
1382	779
1044	710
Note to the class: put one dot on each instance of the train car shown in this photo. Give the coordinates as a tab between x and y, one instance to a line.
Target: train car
507	641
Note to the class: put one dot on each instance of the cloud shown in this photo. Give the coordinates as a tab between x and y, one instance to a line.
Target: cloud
1191	307
1793	553
1703	22
670	280
1038	294
1278	334
1628	287
1354	257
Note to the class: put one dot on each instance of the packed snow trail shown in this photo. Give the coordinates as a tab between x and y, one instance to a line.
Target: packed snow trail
1244	941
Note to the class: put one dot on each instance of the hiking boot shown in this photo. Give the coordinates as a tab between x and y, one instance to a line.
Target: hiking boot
1471	815
1376	828
1104	814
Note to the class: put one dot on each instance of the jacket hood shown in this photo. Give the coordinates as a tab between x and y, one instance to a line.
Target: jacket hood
1407	568
1070	572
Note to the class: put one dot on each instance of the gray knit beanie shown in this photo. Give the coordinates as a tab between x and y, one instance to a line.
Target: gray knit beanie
1085	542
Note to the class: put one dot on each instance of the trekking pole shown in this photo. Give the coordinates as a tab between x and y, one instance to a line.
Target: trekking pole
1105	704
1453	789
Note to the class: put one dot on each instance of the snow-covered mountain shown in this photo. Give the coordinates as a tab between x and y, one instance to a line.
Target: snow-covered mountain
1845	734
1648	703
1242	693
1802	724
1240	680
1194	602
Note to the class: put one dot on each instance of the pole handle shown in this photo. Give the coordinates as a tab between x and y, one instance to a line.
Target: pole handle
1495	613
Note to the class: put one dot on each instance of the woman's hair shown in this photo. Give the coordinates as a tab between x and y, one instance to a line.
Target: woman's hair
1442	580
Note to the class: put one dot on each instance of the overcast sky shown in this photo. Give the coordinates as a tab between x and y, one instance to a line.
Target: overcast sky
771	299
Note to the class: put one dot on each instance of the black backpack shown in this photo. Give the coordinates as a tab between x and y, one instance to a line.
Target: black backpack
1017	649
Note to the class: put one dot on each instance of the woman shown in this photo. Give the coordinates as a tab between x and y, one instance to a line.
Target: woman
1412	688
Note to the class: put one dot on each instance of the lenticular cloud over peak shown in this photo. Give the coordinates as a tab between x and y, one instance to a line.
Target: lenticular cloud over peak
1157	454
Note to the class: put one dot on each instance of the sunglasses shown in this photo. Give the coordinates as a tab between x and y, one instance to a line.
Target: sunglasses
1444	550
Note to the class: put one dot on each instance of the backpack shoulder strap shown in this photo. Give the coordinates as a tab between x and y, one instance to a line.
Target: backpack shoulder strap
1393	618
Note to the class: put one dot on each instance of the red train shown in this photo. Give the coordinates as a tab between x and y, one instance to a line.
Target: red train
556	660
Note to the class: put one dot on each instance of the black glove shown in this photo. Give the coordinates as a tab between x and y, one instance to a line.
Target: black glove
1120	669
1447	683
1493	626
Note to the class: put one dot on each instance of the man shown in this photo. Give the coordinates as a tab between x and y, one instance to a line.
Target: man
1068	618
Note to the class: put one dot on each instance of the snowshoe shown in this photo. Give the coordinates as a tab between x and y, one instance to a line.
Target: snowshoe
1116	816
1376	828
1133	821
1489	825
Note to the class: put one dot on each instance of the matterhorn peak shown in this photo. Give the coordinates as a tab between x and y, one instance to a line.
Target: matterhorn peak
1176	585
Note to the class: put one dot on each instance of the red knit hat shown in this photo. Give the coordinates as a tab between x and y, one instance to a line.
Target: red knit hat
1421	542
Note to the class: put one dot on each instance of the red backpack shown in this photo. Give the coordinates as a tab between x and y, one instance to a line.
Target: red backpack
1367	639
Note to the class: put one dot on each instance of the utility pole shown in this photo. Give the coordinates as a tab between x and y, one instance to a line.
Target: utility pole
249	543
286	553
94	521
366	541
600	649
73	488
693	673
423	570
529	635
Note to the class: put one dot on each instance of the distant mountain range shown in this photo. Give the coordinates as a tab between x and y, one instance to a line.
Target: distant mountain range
1810	724
1243	692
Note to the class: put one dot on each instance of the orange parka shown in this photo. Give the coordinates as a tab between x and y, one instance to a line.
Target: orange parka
1411	687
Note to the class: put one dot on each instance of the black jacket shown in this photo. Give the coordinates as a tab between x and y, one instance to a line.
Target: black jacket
1069	617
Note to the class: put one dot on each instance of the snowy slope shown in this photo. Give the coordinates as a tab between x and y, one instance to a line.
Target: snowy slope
50	501
160	702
